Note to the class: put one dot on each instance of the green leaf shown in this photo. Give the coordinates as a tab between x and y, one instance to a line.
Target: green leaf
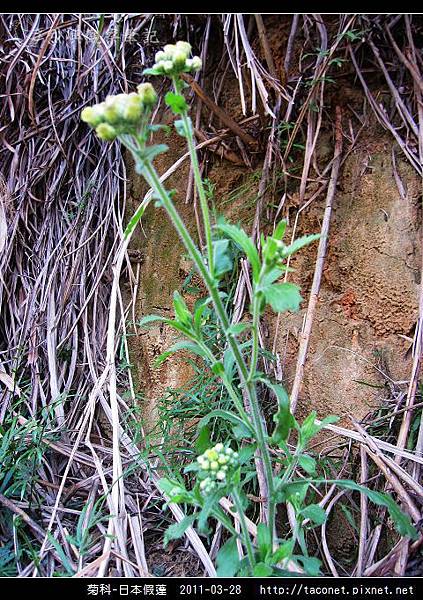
181	310
284	419
203	440
176	103
218	368
307	463
174	324
239	236
177	530
227	559
61	553
238	328
270	250
263	541
241	431
310	564
284	551
180	127
315	513
271	276
310	428
150	319
229	358
294	492
227	416
174	490
280	230
199	310
299	243
210	502
283	296
159	127
262	570
401	520
245	453
152	71
137	216
350	517
182	345
222	259
148	155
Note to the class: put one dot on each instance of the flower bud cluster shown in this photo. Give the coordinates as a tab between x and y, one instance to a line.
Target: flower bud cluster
274	252
120	113
174	59
214	465
280	254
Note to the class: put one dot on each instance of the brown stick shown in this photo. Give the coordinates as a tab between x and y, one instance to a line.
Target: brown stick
363	515
403	495
223	116
265	45
21	513
311	309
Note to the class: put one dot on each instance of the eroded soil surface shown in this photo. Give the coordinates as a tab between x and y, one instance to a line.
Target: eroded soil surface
369	294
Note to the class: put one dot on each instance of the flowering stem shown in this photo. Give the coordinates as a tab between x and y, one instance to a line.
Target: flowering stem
198	182
154	180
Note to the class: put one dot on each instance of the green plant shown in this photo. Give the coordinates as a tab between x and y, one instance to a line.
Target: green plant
226	469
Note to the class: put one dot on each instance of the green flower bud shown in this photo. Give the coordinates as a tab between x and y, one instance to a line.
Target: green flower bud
132	108
220	475
159	66
211	454
147	94
214	465
93	115
169	50
179	60
184	47
113	109
196	63
160	55
167	66
106	132
218	447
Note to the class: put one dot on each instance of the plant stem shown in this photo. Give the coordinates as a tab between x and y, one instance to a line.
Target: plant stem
226	382
245	533
198	181
255	334
154	180
201	192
